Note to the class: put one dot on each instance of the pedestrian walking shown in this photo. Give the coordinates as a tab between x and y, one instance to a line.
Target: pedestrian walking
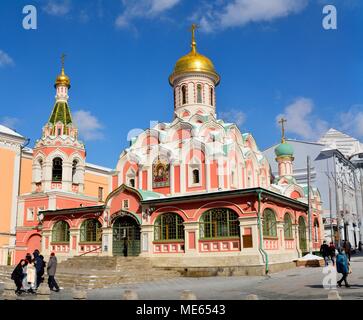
360	245
325	252
51	269
347	248
342	267
39	267
18	275
332	253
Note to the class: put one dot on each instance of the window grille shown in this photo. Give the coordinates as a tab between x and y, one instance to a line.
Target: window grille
169	226
219	223
91	231
57	170
269	223
287	226
60	232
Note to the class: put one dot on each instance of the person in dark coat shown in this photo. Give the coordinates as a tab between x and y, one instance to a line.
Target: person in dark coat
342	267
347	248
325	252
18	276
51	269
39	267
332	252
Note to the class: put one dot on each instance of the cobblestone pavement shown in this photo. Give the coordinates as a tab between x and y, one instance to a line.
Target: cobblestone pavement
299	283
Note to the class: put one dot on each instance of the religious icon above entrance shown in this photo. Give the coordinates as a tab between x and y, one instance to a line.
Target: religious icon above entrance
161	176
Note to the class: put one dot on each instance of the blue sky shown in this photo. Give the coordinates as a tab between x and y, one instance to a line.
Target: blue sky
274	58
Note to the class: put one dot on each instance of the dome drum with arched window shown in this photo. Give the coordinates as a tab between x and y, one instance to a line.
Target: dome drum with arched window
194	79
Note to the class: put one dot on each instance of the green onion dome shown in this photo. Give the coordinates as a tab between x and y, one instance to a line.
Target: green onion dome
284	150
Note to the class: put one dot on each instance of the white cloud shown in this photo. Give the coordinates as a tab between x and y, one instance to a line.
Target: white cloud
301	121
57	8
88	125
142	9
9	122
234	116
241	12
5	59
352	121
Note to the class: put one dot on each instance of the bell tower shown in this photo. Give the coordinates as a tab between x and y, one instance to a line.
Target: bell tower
284	157
59	157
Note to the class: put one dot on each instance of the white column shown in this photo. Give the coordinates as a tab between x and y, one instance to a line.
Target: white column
147	233
67	176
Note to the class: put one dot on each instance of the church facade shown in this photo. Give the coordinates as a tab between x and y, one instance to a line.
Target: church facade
194	192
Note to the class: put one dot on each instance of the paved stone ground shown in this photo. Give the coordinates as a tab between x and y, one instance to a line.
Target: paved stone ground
299	283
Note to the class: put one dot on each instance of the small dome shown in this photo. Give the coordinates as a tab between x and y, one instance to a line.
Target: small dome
284	150
62	80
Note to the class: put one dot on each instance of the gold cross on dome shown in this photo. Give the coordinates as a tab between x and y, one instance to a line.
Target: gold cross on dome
282	121
192	29
63	57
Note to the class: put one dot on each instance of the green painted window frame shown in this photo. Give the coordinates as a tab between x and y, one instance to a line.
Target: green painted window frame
60	232
219	223
169	226
288	226
91	231
269	223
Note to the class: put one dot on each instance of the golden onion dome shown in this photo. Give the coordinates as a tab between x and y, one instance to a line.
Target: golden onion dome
194	62
63	79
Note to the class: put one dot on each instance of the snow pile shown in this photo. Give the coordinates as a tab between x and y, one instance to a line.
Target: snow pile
310	256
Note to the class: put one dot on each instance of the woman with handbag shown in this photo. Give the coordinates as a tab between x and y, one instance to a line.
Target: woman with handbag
342	267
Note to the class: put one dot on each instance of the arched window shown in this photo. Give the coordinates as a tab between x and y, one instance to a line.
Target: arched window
199	93
57	170
219	223
316	230
211	97
169	226
184	94
132	183
196	176
91	231
74	170
287	226
269	223
302	234
60	232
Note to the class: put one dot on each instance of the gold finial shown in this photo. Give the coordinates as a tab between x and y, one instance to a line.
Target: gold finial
282	121
63	79
63	57
194	44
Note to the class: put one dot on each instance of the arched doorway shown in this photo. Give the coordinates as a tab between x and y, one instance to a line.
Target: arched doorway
126	237
34	242
302	234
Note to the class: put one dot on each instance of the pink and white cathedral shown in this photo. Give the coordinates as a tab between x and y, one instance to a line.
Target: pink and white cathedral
191	193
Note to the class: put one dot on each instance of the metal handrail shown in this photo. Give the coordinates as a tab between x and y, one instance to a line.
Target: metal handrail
83	254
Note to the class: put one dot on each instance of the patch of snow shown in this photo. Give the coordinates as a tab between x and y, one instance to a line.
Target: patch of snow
310	257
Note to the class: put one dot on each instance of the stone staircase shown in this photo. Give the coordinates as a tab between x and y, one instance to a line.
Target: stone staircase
102	272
